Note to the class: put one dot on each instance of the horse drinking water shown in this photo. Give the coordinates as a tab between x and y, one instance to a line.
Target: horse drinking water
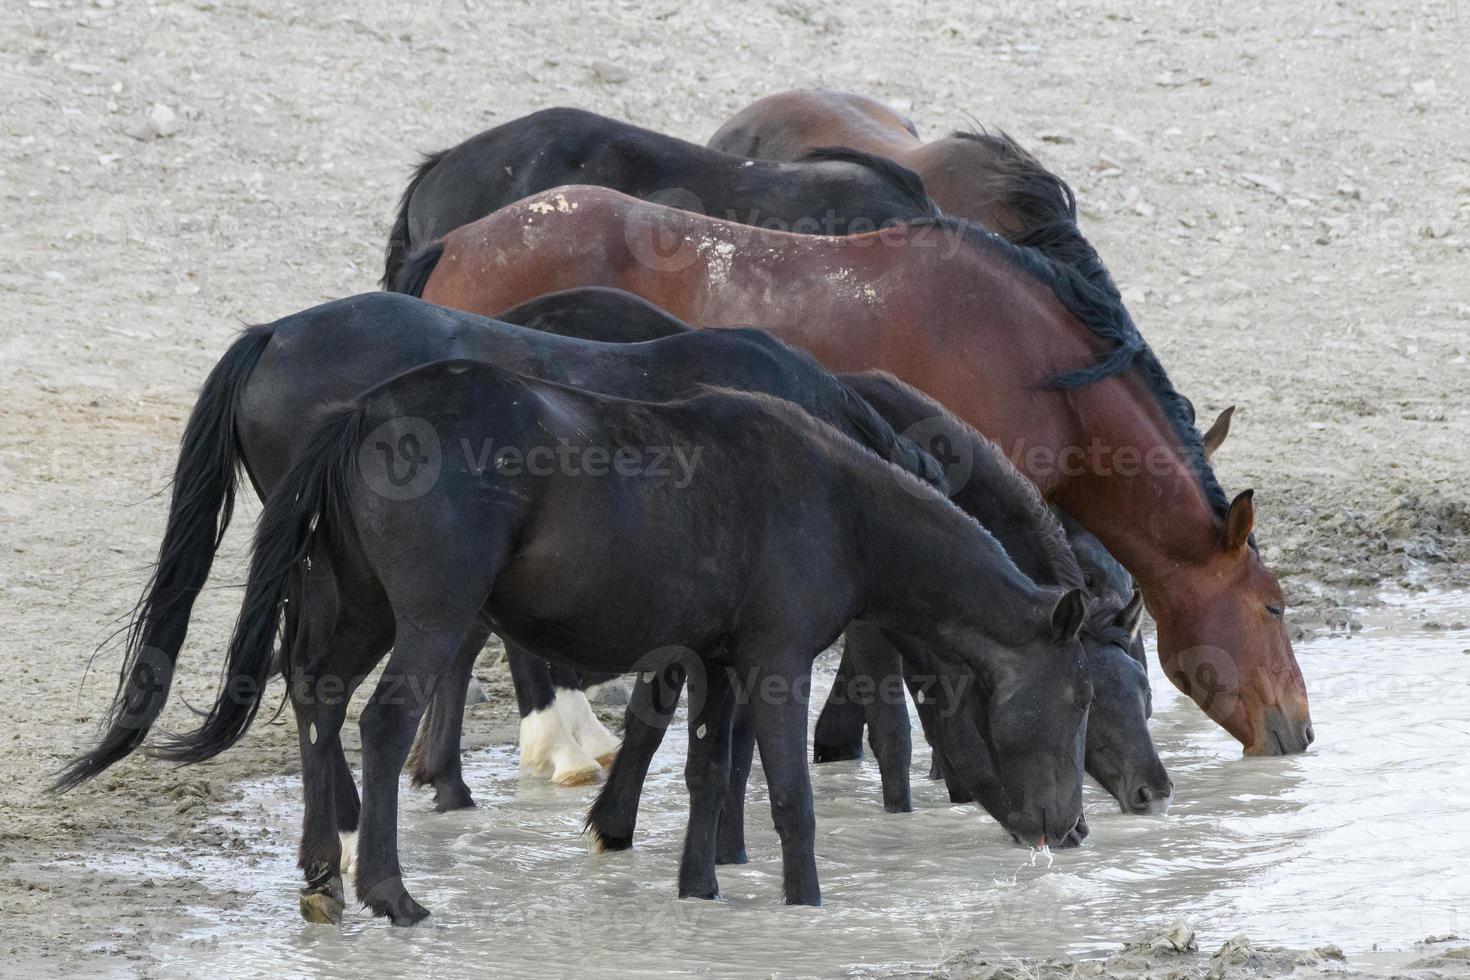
1031	352
774	507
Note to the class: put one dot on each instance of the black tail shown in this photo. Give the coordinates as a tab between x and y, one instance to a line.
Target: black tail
203	499
414	272
311	503
398	243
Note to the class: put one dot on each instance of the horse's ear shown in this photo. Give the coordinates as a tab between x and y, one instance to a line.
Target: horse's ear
1217	432
1240	520
1069	615
1131	615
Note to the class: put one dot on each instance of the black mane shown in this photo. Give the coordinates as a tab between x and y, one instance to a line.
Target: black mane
902	178
1054	251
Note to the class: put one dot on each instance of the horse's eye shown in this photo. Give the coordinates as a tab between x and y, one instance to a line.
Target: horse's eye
1273	610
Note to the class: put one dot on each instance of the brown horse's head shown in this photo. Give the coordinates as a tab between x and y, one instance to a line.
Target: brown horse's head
1223	642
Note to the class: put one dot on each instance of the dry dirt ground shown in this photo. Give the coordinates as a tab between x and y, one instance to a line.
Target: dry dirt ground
1283	191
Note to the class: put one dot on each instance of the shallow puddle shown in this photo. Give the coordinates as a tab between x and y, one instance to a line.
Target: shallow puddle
1356	843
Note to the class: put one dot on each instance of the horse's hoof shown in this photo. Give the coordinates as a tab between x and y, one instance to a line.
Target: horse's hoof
390	899
576	777
736	856
708	893
448	798
836	753
407	912
321	906
608	842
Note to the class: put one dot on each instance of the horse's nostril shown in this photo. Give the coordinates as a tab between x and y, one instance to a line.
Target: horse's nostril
1143	797
1309	734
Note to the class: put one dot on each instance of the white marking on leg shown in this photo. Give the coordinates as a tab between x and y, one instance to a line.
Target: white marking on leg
590	733
701	731
547	742
613	692
349	851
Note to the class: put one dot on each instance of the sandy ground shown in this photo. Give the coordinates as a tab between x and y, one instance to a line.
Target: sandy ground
1283	193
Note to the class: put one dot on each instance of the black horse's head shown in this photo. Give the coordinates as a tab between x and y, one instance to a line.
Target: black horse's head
1032	718
1120	752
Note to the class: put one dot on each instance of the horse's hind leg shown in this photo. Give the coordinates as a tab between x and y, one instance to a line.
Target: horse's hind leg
614	815
434	759
578	717
547	741
731	848
707	776
324	660
889	731
420	662
839	733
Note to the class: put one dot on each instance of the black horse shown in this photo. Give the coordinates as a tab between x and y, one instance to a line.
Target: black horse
1121	754
871	679
750	559
832	191
260	404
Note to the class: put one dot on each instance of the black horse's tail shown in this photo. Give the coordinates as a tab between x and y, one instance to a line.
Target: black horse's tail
414	272
398	243
310	503
199	512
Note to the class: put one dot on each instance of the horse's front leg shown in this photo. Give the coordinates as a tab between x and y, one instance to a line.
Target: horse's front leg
731	848
614	815
780	693
707	775
876	660
839	733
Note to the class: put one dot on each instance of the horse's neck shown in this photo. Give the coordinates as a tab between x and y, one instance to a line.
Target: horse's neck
1013	522
928	568
1158	523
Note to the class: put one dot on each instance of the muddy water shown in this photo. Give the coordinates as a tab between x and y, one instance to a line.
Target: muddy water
1355	843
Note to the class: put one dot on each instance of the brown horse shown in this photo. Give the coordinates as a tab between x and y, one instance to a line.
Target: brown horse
986	328
969	175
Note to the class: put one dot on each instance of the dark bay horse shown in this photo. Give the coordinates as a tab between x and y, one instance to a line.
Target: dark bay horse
826	190
1033	353
983	177
748	562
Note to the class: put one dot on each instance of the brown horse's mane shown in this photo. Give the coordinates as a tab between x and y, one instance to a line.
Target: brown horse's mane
1053	249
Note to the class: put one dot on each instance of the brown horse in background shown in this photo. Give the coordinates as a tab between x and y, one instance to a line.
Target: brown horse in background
975	176
1031	352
